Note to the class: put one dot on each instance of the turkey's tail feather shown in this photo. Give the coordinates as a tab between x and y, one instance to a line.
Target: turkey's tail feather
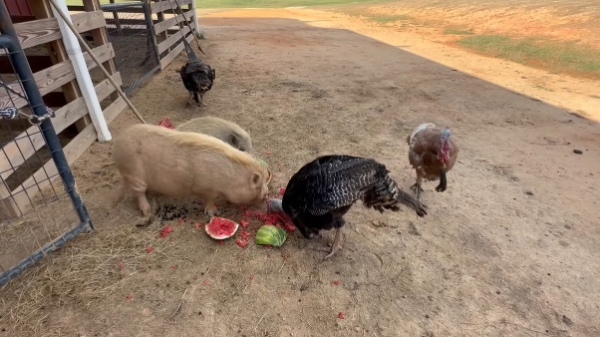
385	194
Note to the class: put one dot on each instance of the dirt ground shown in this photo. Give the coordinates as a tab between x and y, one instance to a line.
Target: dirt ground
510	249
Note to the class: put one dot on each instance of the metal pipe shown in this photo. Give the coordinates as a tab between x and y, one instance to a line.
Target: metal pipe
10	41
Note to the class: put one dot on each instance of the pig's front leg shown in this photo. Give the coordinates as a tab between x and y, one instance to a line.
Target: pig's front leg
143	203
139	188
210	208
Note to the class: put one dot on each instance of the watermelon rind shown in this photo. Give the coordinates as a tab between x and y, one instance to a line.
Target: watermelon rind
221	237
270	235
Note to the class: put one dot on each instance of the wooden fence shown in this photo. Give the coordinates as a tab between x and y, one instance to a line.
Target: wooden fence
157	24
170	41
59	76
166	20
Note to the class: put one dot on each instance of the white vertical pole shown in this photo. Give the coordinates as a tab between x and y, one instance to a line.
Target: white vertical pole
81	73
197	27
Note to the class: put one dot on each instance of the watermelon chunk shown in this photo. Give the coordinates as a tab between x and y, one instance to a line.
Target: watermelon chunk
270	235
166	123
220	228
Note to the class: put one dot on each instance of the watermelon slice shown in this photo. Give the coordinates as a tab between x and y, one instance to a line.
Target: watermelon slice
220	228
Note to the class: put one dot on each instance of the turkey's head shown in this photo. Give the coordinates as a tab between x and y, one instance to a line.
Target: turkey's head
444	152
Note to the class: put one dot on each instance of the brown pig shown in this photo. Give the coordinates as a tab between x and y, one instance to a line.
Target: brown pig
225	130
187	164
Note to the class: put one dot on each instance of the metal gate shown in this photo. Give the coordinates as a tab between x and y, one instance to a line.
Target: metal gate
55	212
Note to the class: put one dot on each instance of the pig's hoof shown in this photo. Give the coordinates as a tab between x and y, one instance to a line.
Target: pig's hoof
145	209
212	212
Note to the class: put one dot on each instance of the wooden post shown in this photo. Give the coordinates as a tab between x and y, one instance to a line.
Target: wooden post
82	74
101	38
161	17
117	20
152	35
195	19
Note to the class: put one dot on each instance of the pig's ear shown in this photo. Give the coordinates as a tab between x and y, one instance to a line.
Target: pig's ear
235	141
255	179
269	176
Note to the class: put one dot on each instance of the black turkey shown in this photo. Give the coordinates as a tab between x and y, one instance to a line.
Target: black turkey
322	191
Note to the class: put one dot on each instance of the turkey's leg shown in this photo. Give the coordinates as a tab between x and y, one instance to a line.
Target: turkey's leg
201	99
334	246
190	99
417	186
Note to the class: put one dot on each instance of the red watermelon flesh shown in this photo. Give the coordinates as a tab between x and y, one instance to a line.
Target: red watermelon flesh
220	228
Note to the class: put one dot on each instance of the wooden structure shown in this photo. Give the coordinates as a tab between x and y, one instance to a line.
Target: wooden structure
56	74
170	42
41	38
155	27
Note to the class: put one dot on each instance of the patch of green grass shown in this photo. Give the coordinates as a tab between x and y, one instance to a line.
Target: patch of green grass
452	31
561	57
544	88
388	19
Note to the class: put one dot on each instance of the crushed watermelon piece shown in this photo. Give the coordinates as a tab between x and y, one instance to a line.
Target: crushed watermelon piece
129	298
336	283
121	266
198	226
149	250
251	277
282	191
241	243
244	223
341	315
276	219
166	231
166	123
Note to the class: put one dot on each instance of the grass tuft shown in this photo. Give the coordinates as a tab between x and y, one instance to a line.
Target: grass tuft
388	19
452	31
559	57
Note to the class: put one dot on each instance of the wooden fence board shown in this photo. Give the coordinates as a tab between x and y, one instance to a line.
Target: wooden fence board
174	53
162	6
162	26
171	40
56	76
87	21
35	33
